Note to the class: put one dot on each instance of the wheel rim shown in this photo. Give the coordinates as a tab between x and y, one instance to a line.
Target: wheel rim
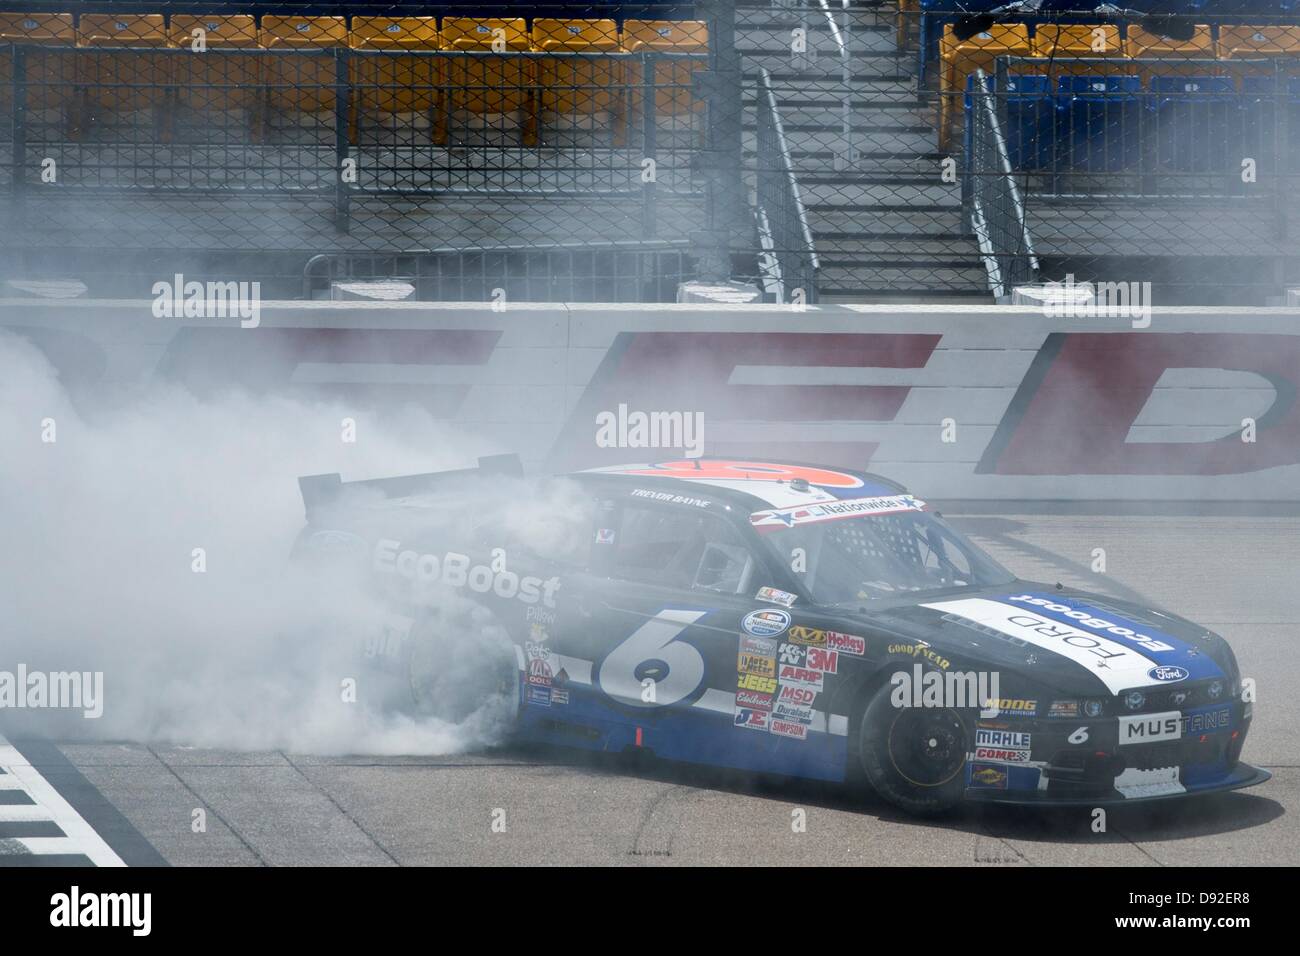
927	746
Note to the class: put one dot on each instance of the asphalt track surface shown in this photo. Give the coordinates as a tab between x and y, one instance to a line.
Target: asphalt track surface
1237	575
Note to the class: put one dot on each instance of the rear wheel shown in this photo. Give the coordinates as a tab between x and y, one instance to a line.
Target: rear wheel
463	670
915	757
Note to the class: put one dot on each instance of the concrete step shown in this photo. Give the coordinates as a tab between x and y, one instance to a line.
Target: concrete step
918	221
902	277
862	193
874	247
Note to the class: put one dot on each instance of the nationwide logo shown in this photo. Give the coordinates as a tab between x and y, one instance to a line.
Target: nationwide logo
832	510
768	622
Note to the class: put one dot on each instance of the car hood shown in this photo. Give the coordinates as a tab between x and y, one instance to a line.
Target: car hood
1067	640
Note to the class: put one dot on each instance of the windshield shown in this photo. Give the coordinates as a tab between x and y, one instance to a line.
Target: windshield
867	557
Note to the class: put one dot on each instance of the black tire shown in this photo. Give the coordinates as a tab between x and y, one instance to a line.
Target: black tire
914	757
462	670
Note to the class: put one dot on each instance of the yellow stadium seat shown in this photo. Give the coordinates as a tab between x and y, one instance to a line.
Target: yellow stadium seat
1173	54
489	80
301	81
386	81
122	80
49	74
1065	44
578	84
672	78
207	75
960	58
1245	42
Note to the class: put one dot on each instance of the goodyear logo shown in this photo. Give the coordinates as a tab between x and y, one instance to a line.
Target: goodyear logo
923	651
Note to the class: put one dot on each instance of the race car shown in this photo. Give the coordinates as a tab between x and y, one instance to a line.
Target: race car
793	619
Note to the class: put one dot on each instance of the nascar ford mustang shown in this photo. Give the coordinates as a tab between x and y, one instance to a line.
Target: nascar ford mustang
785	618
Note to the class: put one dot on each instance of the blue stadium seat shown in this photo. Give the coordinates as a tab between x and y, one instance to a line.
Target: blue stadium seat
1100	120
1031	122
1259	119
1194	119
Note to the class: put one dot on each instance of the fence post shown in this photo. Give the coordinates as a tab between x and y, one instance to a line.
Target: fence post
719	164
19	123
1281	145
342	217
649	145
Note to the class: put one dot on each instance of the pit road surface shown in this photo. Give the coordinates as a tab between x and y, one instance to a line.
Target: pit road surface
1239	576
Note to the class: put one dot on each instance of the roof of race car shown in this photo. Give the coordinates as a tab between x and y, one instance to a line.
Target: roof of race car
773	484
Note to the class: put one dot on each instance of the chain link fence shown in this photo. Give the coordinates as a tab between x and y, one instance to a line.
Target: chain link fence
822	150
145	134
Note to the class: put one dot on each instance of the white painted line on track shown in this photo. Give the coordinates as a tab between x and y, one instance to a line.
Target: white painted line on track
79	836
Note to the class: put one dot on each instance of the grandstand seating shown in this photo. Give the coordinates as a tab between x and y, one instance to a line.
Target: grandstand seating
392	83
672	79
49	74
226	81
125	80
304	81
961	58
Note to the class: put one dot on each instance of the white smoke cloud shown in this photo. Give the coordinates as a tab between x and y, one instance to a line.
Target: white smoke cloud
98	533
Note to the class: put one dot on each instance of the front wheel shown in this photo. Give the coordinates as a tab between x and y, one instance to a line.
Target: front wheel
914	757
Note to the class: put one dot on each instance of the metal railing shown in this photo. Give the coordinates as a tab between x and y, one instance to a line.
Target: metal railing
997	210
783	220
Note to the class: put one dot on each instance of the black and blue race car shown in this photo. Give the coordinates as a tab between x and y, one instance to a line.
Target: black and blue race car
776	617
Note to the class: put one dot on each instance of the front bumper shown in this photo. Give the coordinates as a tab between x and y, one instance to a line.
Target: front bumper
1243	775
1117	759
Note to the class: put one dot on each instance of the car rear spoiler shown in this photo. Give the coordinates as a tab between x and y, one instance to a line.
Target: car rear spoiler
323	490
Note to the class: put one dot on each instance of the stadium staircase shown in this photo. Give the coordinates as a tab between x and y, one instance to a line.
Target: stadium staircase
884	224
